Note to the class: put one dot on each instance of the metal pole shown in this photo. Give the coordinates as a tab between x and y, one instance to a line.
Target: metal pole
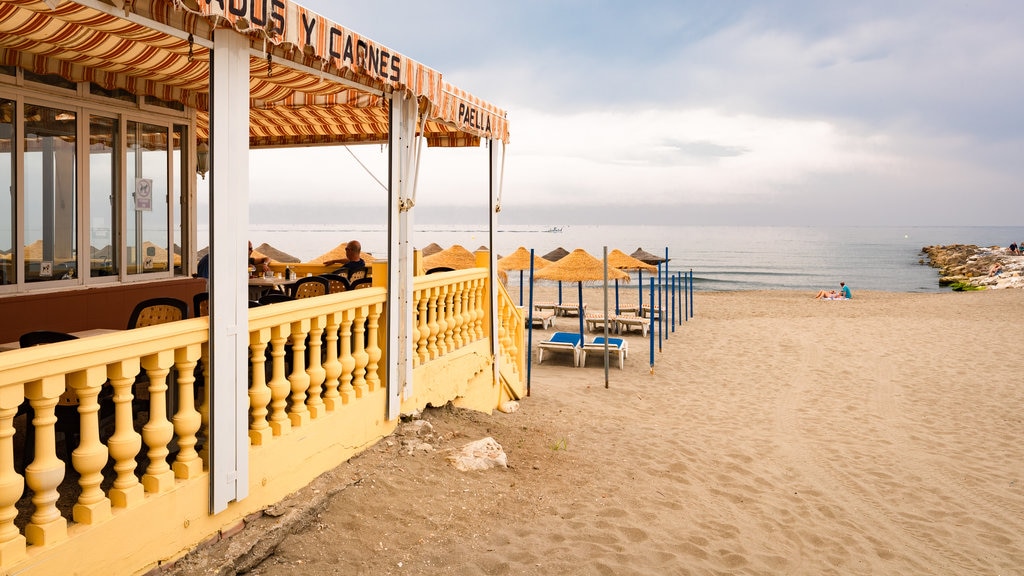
673	303
605	316
651	325
655	304
691	292
529	330
640	286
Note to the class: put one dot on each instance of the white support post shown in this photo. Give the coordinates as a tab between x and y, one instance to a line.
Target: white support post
492	273
402	169
229	224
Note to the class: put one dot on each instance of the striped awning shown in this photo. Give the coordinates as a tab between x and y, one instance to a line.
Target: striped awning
312	81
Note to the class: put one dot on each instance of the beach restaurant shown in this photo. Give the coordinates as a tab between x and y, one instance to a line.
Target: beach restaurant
125	443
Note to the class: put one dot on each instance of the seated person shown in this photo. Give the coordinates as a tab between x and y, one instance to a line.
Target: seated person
352	262
262	264
845	290
996	269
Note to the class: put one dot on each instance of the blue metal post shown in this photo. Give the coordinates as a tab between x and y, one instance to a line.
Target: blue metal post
691	292
529	329
673	304
651	325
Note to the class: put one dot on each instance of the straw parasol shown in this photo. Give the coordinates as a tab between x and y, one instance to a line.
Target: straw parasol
520	260
432	248
647	257
619	259
554	256
580	267
275	255
455	257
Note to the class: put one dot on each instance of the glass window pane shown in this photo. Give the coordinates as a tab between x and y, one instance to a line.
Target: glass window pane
7	222
180	134
51	211
147	198
103	154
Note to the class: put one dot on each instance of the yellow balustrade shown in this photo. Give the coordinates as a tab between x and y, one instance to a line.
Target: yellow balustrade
316	397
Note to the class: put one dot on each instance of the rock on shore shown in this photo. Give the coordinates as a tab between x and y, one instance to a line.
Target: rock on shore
970	264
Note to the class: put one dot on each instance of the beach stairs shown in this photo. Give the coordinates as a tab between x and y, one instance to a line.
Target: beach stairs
617	347
570	342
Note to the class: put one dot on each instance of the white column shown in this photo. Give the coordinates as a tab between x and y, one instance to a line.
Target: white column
229	225
402	132
492	274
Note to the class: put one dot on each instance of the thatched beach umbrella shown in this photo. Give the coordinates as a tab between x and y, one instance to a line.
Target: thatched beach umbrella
554	256
579	267
455	257
647	258
432	248
619	259
275	255
520	260
337	253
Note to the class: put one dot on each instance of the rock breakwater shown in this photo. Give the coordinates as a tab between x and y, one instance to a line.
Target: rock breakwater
967	264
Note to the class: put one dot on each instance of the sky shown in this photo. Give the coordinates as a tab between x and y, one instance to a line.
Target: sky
719	113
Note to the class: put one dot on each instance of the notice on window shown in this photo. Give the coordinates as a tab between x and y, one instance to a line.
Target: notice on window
144	194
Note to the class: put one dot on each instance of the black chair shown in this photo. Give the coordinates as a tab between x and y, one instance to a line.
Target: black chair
437	269
157	311
336	282
309	287
274	298
201	304
361	283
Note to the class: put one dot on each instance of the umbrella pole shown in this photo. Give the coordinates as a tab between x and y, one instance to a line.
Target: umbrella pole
606	315
529	330
655	304
640	289
616	296
691	292
651	326
579	309
673	292
521	284
559	292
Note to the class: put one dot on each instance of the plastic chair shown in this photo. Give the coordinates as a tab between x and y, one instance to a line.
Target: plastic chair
157	311
561	342
201	304
309	287
362	283
336	283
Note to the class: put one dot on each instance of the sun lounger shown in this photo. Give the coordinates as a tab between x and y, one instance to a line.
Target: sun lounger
569	309
616	347
646	312
596	321
543	318
628	322
561	342
545	305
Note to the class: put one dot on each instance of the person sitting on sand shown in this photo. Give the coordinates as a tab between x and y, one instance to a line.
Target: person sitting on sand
845	290
997	269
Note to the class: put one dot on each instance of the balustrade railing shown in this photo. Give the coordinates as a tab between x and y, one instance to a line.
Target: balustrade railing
449	312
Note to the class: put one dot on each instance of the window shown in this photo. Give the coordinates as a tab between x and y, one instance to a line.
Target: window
147	198
8	224
51	203
104	144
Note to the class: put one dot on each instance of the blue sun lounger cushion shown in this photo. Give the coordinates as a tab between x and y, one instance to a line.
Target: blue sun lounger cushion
561	342
616	346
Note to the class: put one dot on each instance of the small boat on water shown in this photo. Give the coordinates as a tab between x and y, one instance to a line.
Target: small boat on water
554	229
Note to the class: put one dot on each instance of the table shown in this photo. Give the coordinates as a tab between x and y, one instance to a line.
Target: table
6	346
261	285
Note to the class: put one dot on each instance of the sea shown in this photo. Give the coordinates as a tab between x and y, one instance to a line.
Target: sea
721	258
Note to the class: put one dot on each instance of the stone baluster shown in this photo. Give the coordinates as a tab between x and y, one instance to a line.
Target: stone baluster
348	362
461	316
470	297
46	471
359	353
432	323
91	455
158	432
482	304
442	321
204	404
415	328
125	443
373	351
299	414
423	336
332	365
12	542
279	385
259	393
315	371
449	318
187	464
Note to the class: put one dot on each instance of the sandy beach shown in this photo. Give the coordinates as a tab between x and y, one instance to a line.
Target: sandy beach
778	434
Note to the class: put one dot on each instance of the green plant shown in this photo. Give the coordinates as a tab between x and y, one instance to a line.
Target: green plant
964	287
560	444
